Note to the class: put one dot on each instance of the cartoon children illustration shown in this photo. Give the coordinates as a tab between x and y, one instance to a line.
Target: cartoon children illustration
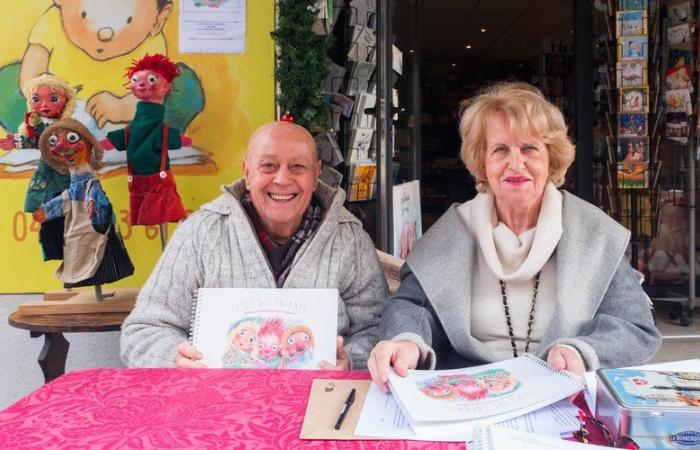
468	387
94	252
270	343
48	99
497	381
297	346
243	349
440	390
153	196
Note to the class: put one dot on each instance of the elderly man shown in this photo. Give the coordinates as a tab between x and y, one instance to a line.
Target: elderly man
278	227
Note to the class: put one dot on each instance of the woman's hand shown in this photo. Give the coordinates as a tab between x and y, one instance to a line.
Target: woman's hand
188	357
565	358
401	355
342	358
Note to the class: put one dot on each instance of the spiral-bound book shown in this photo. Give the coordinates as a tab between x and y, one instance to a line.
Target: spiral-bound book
459	398
265	328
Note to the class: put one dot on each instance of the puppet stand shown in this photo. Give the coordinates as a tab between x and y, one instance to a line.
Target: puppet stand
82	302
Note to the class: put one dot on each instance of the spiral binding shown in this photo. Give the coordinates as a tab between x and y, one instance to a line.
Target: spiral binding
571	376
195	318
482	439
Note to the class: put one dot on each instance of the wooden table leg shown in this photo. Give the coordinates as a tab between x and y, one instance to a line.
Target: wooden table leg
52	358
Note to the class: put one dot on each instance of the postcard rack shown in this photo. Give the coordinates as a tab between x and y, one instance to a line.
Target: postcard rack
645	140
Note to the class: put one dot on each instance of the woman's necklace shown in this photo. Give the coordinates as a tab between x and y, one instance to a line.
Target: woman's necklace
530	321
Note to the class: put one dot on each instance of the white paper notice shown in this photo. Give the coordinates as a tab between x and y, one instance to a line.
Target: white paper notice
212	26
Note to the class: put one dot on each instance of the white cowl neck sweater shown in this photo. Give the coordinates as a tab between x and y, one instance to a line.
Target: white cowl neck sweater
515	259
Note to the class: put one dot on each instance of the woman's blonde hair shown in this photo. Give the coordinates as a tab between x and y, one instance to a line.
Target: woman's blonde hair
57	85
528	114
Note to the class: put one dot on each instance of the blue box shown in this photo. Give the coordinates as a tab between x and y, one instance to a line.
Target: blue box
658	410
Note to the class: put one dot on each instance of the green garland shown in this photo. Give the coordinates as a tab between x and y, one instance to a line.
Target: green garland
302	64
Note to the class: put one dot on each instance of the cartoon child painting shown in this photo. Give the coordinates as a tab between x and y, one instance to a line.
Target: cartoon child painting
469	388
440	391
88	43
498	381
298	346
270	343
242	341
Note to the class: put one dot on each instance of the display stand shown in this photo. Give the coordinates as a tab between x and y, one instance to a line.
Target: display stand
81	302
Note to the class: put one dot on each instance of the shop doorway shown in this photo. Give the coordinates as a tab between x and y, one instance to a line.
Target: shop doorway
451	49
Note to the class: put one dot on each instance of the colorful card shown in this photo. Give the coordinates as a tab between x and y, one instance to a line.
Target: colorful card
632	4
677	127
633	149
678	100
679	11
679	57
679	36
633	125
265	328
632	175
632	73
634	99
631	23
679	77
630	48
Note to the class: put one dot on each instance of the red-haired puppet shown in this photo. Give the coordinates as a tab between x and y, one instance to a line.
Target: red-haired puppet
153	197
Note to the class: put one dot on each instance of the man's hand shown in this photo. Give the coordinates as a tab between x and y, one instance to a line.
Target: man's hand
564	358
342	357
401	355
188	357
39	215
105	107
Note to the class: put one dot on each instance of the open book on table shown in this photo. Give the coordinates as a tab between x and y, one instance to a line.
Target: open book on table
265	328
449	400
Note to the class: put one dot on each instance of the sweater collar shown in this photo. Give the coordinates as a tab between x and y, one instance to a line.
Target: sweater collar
513	257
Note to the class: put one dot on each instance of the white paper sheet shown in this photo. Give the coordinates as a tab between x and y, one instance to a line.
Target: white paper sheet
212	26
382	417
497	438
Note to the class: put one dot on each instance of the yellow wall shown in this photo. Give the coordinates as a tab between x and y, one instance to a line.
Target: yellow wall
239	92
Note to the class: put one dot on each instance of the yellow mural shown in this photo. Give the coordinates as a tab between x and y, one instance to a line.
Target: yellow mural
89	43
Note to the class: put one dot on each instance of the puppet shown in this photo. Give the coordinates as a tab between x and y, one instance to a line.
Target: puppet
48	99
153	196
94	252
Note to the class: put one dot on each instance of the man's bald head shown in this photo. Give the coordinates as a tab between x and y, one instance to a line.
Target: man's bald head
277	132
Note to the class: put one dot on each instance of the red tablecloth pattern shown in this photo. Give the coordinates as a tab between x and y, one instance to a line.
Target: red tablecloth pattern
174	409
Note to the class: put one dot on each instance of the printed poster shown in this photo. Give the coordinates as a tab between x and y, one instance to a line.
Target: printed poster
407	217
212	26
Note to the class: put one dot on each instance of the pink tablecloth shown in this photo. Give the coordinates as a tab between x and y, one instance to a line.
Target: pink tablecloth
174	409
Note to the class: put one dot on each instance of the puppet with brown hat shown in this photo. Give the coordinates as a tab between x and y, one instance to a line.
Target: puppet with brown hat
94	251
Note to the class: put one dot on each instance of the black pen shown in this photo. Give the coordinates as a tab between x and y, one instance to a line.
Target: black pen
346	407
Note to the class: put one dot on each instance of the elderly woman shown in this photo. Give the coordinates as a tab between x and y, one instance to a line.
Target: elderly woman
523	267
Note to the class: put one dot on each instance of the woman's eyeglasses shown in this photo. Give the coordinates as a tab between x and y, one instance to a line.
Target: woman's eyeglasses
589	424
